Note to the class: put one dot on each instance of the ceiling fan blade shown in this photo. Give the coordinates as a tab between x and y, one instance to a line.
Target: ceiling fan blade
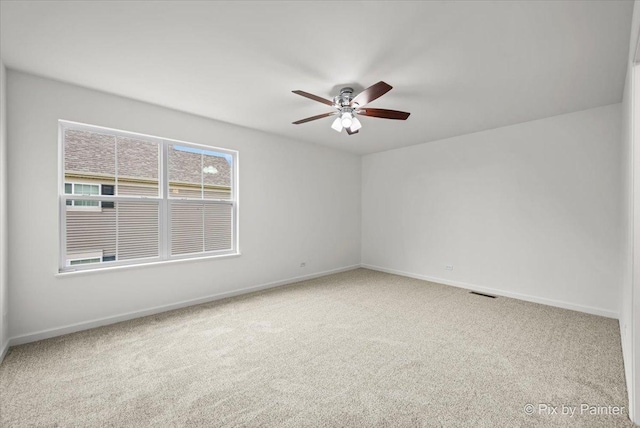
351	132
314	97
320	116
383	113
371	93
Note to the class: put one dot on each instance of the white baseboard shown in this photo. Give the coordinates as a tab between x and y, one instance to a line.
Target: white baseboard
86	325
4	348
72	328
488	290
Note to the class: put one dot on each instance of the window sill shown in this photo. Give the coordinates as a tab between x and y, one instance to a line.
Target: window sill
144	265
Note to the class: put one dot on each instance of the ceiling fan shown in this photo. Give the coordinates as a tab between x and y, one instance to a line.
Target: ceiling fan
347	107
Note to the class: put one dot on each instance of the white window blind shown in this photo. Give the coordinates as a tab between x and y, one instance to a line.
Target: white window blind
151	199
200	227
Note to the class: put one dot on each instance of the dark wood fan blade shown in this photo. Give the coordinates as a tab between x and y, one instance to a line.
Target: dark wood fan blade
314	97
371	93
384	113
351	133
320	116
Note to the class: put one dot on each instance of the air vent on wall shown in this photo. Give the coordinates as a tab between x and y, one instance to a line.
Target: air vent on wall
482	294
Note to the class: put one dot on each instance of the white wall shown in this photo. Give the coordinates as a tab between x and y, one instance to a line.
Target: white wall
298	202
631	89
635	253
626	295
4	301
530	211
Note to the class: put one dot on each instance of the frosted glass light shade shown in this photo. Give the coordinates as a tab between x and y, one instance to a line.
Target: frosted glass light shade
337	124
347	120
355	125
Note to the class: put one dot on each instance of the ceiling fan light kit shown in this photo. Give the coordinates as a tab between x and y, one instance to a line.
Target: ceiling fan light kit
347	107
337	124
355	124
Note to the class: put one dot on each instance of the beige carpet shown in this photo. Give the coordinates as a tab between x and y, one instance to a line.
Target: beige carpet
356	349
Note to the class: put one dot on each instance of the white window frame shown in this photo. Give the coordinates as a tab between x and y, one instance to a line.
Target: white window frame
163	200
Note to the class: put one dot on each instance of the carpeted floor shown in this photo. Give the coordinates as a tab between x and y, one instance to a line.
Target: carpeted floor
355	349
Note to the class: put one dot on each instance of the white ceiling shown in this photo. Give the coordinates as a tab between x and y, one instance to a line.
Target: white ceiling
458	67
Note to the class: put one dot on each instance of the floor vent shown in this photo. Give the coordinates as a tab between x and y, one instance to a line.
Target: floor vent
482	294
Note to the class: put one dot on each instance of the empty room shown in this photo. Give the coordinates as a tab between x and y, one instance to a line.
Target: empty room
319	213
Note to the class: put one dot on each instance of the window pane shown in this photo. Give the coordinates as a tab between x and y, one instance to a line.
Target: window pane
81	189
216	175
135	223
89	154
217	227
185	172
199	227
138	230
187	228
107	189
137	167
198	173
83	261
86	203
90	231
68	188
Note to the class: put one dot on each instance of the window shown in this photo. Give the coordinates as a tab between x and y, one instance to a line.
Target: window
130	199
83	261
84	258
82	189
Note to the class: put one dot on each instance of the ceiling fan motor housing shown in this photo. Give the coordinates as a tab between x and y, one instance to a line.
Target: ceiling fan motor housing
345	97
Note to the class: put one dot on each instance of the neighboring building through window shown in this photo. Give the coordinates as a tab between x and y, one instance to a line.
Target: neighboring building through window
128	198
84	258
83	261
82	189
